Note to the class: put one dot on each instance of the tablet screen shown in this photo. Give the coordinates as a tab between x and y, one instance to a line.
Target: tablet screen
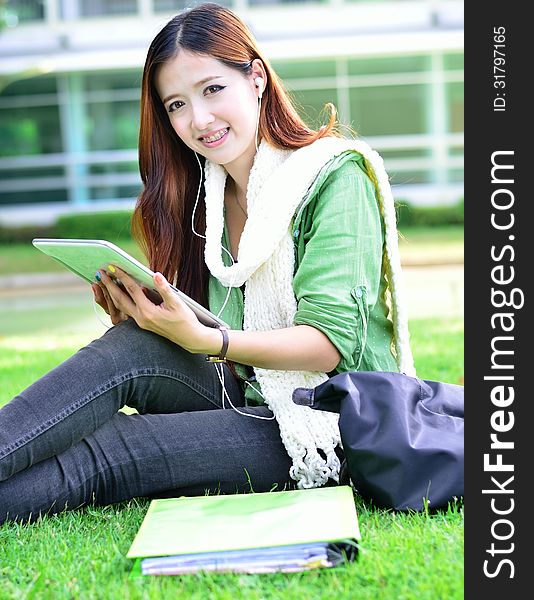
85	257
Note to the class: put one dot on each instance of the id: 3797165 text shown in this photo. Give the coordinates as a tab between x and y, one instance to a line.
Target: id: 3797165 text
499	71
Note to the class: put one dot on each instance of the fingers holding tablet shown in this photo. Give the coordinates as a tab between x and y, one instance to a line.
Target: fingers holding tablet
104	300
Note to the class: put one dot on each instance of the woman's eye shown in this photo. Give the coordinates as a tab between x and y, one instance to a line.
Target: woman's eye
175	105
212	89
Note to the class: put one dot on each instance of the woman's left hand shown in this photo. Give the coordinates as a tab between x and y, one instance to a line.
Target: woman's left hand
172	318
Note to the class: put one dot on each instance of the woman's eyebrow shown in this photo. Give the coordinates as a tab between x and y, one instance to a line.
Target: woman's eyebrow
198	84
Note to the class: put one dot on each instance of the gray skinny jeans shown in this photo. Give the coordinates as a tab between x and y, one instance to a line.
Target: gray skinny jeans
63	443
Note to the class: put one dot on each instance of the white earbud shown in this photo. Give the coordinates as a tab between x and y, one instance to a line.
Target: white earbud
259	84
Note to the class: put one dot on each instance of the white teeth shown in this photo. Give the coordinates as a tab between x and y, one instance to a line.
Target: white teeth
215	137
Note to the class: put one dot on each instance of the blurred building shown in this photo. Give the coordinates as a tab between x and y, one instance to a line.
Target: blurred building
70	73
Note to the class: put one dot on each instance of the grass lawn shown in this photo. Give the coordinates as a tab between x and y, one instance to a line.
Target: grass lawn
432	245
81	554
25	258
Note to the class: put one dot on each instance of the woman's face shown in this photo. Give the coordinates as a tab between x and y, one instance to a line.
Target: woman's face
212	107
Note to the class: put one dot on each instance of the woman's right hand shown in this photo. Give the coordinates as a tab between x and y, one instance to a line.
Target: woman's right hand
103	299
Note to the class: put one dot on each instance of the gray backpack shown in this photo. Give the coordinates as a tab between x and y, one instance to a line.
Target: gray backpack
403	437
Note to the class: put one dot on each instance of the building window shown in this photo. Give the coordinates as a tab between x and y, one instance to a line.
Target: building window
408	176
455	175
388	65
113	81
310	104
105	192
288	70
73	9
29	117
310	84
390	110
30	129
455	107
23	11
10	197
453	61
112	125
112	110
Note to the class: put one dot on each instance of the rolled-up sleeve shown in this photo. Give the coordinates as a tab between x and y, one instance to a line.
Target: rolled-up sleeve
338	275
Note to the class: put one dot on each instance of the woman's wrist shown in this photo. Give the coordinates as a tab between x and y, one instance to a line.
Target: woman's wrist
210	342
221	355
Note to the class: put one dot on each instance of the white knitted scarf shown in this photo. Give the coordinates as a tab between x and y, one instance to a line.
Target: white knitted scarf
279	181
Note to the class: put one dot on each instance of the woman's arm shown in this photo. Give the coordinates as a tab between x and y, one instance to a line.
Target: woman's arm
339	257
302	347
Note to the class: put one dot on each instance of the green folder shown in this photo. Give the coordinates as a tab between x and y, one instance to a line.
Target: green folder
228	523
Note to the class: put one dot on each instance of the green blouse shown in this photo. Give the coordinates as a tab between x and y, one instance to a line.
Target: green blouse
339	282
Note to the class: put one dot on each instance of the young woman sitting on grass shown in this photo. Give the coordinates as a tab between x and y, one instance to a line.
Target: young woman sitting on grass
286	233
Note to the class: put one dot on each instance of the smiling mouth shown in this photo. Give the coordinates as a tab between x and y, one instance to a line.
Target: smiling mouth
216	137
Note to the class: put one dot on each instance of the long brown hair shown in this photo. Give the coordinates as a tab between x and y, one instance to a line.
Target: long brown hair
161	221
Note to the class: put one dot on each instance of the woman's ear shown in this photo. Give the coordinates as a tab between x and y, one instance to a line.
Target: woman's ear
259	76
260	85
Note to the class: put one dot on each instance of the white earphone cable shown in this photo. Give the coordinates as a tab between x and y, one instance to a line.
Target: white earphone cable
203	236
220	374
97	315
258	122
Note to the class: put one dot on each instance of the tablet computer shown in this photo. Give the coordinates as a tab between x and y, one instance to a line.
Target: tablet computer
86	257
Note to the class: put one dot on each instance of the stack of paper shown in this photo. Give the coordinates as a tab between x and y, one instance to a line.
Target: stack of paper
248	533
261	560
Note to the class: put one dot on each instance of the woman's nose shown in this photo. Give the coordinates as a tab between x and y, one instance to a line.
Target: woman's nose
201	117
